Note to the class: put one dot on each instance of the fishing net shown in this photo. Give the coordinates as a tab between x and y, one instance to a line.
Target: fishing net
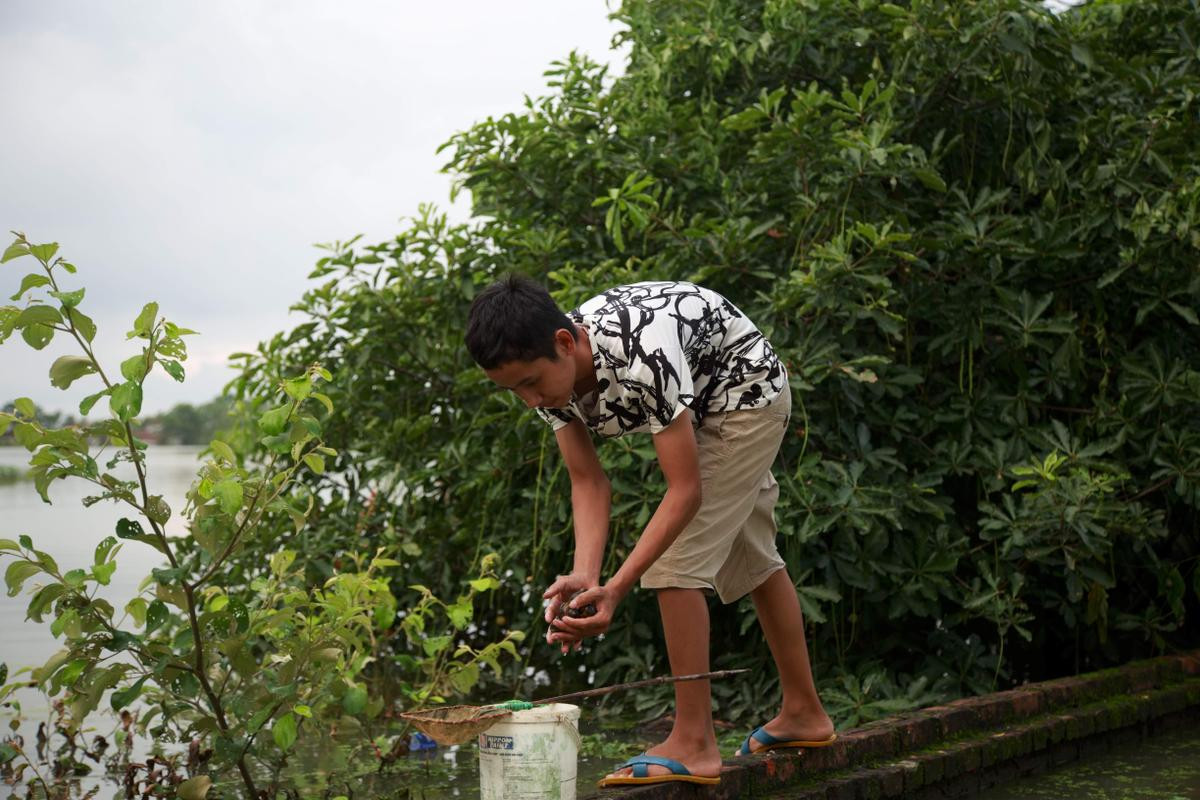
460	724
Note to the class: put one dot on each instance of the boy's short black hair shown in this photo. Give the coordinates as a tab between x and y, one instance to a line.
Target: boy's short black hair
514	319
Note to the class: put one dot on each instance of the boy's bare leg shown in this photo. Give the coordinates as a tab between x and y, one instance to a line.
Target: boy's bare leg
692	741
801	716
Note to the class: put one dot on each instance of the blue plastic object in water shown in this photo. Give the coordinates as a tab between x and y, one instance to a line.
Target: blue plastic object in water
419	741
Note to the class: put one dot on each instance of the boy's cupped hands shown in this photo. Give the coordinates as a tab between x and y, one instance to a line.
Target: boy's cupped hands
570	598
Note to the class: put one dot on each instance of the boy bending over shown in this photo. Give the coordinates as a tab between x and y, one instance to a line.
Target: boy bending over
682	363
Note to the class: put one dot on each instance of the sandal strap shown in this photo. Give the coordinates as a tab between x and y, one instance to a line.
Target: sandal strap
762	737
639	764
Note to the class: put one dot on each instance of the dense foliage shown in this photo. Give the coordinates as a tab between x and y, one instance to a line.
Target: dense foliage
971	230
225	668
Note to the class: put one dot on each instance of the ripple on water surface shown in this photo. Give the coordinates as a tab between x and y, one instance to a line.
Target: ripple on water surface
1166	767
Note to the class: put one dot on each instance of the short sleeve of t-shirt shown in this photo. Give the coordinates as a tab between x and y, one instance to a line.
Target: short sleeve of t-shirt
557	417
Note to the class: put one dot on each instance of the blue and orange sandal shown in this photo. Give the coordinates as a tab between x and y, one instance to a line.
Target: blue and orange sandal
641	775
770	742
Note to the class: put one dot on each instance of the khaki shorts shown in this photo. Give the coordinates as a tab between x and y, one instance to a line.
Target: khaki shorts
729	546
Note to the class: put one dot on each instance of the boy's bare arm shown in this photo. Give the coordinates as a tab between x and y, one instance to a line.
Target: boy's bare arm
591	500
677	455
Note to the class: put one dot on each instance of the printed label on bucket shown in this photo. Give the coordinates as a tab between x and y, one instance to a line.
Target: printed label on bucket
495	742
529	759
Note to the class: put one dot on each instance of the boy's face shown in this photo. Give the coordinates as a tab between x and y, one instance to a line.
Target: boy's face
541	383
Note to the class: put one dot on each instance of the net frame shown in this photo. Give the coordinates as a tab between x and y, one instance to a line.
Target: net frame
449	725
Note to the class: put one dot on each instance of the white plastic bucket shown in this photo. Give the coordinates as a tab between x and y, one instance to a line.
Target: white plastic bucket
531	755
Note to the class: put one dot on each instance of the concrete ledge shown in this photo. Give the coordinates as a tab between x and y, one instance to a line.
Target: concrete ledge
959	748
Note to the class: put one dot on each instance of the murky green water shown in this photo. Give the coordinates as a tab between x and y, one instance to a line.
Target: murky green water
444	774
1166	767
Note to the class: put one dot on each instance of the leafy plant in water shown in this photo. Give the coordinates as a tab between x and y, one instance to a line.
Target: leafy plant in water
239	663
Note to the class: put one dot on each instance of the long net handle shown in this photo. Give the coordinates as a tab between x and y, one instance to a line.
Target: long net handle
724	673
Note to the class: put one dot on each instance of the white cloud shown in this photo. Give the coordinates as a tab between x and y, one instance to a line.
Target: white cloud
192	153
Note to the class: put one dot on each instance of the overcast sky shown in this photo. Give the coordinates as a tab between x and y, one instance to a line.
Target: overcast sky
192	153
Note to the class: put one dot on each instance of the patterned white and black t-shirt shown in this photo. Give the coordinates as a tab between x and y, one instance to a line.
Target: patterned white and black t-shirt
662	346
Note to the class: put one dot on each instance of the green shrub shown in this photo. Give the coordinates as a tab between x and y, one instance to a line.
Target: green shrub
970	229
227	651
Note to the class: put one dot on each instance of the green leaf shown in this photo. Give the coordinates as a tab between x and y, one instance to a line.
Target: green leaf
122	640
69	299
460	614
281	560
44	252
158	509
28	435
134	368
229	495
436	644
223	451
156	614
30	281
315	462
37	336
323	400
1185	312
82	323
103	572
65	621
274	421
43	599
172	368
14	250
129	529
930	179
298	388
194	788
284	731
123	697
354	700
240	614
103	549
67	369
38	315
175	331
1083	54
484	584
126	400
144	324
466	678
85	405
136	608
25	407
17	573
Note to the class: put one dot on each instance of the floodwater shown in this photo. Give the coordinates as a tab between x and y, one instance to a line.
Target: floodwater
70	532
1166	767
